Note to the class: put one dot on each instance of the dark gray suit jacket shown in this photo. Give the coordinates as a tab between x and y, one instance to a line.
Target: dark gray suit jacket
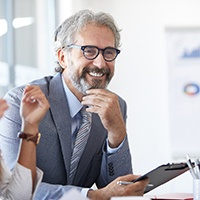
54	149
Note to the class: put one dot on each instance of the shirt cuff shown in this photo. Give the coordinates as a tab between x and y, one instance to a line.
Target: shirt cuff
114	150
84	191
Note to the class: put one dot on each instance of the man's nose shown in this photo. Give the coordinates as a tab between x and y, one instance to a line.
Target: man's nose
99	61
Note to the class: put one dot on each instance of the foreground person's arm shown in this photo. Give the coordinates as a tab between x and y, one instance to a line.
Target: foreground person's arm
25	176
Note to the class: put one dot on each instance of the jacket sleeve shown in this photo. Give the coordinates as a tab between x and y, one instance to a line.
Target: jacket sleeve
115	165
118	163
10	125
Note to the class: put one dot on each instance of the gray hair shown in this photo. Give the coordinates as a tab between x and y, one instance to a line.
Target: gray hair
66	33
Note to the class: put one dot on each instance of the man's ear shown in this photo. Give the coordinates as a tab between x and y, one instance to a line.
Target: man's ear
62	58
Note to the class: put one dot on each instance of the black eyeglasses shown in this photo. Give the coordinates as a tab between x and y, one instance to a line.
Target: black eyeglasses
91	52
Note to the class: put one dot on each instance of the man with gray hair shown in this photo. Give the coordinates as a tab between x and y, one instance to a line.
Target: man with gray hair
84	139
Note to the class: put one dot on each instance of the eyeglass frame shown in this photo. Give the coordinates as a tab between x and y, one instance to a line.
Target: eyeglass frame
99	49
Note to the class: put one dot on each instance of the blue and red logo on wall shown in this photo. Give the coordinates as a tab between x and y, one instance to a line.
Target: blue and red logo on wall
191	89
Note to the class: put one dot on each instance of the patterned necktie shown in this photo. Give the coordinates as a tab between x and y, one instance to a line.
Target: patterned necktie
80	142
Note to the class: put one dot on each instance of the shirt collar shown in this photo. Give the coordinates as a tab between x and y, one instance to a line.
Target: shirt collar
74	104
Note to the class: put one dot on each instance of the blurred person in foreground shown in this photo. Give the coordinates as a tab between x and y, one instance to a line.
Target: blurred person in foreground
86	46
25	178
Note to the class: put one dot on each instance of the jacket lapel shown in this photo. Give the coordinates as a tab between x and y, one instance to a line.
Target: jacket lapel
62	119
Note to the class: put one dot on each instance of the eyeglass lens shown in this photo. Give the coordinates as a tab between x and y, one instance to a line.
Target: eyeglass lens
109	53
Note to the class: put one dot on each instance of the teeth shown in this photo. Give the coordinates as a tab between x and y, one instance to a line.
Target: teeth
96	74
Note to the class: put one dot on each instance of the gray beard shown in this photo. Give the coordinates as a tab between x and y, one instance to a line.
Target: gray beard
82	85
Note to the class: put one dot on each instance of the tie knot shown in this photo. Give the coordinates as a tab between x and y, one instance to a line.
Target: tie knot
86	115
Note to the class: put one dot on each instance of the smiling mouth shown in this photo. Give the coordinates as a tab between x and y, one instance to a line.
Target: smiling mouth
95	74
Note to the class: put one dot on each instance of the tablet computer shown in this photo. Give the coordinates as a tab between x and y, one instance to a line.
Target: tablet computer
163	174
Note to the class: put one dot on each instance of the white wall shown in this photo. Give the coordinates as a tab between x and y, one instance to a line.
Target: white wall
142	74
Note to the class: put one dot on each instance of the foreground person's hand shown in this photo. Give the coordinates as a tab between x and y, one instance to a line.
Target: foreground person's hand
114	189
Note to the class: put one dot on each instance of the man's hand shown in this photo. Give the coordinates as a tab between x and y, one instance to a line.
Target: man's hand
113	189
106	105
